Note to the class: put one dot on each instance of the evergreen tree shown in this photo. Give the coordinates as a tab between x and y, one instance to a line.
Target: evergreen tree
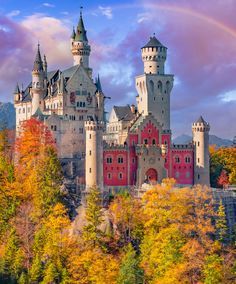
94	217
221	224
130	272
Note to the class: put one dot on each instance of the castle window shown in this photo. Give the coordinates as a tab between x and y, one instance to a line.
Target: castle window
145	141
198	160
109	176
90	136
198	176
55	128
153	141
120	176
23	110
177	174
51	127
120	160
133	160
187	174
19	110
187	160
81	130
177	159
109	160
90	170
198	143
165	142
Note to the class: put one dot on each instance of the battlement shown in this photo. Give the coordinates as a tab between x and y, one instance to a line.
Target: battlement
115	147
181	146
94	125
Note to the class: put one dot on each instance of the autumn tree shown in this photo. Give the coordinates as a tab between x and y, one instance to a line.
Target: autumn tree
223	179
94	217
221	224
126	215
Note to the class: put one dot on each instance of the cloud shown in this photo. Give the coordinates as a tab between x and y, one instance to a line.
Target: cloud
106	11
13	13
49	5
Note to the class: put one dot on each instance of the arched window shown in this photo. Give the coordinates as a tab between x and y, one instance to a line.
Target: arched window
109	160
109	176
151	86
120	176
187	159
168	86
159	86
177	159
154	141
120	160
145	141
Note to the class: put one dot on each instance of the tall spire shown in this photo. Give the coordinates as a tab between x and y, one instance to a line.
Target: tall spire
17	89
81	32
38	63
98	84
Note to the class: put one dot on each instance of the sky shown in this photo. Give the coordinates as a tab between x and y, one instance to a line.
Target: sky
200	36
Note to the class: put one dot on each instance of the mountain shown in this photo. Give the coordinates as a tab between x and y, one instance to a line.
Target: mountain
7	115
213	140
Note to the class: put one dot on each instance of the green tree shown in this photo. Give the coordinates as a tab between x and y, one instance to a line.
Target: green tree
213	270
130	271
94	218
221	224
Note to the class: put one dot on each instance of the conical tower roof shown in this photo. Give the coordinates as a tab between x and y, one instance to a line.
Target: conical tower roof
98	84
38	63
153	42
17	89
73	33
80	31
201	120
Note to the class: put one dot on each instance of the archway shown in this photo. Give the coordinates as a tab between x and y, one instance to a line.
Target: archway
151	175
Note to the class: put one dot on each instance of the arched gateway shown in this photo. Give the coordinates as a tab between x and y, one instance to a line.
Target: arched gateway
151	175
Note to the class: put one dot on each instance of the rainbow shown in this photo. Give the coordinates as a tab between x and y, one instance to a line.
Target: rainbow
189	12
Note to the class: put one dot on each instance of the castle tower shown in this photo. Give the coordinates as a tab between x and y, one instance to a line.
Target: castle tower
94	154
154	86
17	94
79	45
38	83
200	130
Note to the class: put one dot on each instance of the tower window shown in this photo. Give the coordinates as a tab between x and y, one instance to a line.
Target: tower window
198	160
198	143
90	136
177	159
120	160
109	160
90	170
187	160
90	152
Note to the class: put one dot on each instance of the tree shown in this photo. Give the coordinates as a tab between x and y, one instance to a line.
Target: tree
94	217
221	224
126	216
130	271
213	270
223	180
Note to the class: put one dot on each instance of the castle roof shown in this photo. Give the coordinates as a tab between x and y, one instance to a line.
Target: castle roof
80	31
98	84
153	42
17	89
38	63
201	120
123	113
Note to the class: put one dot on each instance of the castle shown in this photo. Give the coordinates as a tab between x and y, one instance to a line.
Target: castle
134	147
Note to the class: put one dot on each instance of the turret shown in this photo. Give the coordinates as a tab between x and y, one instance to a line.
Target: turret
154	86
94	154
154	56
17	94
38	82
200	130
79	45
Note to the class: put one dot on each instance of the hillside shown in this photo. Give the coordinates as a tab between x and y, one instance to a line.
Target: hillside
7	115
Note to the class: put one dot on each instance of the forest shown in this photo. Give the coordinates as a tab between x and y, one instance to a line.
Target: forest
170	235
